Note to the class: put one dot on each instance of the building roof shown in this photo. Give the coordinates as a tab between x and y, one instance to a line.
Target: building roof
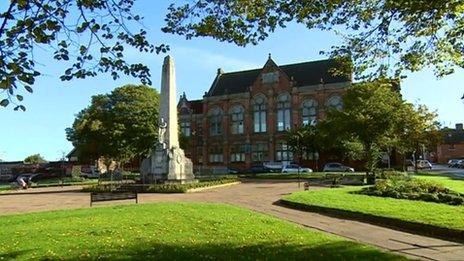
196	106
453	137
304	74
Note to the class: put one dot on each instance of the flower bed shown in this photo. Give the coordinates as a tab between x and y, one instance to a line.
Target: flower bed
402	187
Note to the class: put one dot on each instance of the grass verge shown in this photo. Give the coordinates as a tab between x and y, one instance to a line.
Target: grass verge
453	183
160	188
313	175
430	218
170	231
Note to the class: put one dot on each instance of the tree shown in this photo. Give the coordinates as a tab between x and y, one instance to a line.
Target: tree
89	37
303	140
119	126
369	118
375	119
34	159
383	37
417	130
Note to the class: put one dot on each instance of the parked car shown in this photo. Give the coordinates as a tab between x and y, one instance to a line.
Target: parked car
94	173
28	177
452	162
455	163
337	167
293	168
423	164
232	171
259	169
461	164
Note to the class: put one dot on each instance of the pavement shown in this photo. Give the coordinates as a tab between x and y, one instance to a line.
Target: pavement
260	196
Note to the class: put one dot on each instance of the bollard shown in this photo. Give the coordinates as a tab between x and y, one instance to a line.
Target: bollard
306	186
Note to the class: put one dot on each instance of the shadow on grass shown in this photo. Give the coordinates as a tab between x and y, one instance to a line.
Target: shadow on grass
14	254
273	251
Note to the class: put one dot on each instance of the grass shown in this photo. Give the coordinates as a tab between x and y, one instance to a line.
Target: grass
311	175
429	213
453	183
5	187
170	231
66	181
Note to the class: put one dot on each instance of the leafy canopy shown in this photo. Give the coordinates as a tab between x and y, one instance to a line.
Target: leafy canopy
88	37
383	37
374	119
118	126
34	159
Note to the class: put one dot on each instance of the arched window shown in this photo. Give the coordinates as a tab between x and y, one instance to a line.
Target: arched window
259	114
184	111
237	114
335	102
283	112
215	121
309	112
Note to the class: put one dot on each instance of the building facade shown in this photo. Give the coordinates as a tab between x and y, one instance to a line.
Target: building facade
452	146
242	120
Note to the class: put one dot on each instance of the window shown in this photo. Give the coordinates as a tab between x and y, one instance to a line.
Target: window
237	153
259	114
185	128
216	154
259	152
309	112
283	112
184	111
283	152
215	121
271	77
237	114
335	102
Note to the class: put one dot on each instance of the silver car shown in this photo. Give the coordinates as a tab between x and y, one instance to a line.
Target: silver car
293	168
337	167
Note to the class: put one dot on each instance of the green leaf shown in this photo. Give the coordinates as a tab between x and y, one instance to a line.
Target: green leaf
4	102
28	88
19	97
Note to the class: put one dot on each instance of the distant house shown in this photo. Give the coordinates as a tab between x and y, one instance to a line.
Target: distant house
72	156
453	144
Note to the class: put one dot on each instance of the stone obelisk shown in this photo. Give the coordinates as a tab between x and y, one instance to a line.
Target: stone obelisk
168	105
168	162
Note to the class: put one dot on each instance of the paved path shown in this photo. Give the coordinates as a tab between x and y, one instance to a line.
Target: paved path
260	196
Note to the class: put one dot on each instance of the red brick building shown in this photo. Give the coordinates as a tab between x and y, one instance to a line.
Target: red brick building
453	144
242	119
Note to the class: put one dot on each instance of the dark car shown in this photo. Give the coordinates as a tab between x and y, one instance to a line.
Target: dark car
259	169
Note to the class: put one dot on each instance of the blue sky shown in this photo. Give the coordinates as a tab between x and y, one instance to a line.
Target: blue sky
53	105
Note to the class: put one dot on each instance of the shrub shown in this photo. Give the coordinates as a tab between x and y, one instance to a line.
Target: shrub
405	187
161	188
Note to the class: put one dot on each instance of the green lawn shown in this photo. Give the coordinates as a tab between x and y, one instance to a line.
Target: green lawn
5	187
452	183
302	175
170	231
436	214
66	181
